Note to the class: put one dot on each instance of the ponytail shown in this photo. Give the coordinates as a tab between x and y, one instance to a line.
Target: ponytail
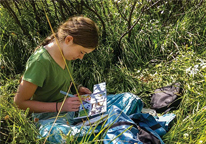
47	41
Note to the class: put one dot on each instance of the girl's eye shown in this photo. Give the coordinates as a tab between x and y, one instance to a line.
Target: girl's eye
82	52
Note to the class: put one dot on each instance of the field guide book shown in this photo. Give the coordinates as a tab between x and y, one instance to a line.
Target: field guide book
93	104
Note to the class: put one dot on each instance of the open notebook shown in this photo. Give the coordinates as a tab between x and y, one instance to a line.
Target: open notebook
94	104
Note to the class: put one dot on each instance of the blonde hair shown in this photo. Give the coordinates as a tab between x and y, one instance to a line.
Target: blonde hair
83	30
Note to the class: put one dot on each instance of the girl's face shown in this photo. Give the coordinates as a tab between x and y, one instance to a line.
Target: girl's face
73	51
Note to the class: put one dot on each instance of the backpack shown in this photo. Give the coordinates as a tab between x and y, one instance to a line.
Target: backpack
137	128
166	98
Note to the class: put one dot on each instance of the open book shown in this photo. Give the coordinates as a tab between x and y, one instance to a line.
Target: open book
94	104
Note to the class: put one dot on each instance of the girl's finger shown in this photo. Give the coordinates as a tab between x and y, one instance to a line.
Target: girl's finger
84	90
88	91
75	109
74	98
77	103
75	106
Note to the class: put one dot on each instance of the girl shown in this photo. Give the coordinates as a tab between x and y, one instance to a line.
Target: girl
46	73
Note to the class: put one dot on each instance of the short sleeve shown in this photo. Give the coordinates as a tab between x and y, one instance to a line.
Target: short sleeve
35	73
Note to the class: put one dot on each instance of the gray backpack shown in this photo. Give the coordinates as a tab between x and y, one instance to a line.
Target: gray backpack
166	98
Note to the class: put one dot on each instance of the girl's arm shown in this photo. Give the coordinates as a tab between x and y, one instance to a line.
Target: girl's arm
26	91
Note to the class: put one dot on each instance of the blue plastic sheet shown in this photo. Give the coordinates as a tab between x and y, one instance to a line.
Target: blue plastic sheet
128	103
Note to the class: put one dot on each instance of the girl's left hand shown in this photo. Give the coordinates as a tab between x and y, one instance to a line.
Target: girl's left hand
84	90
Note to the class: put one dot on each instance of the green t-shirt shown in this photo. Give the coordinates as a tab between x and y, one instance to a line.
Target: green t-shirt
43	71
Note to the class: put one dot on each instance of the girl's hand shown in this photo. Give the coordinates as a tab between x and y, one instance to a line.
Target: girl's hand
70	104
84	90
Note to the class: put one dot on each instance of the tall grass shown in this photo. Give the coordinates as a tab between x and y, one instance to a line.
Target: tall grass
188	68
166	46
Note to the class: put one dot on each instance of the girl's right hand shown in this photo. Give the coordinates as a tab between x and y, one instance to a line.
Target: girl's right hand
70	104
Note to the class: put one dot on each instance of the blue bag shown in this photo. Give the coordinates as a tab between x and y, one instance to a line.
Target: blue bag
128	129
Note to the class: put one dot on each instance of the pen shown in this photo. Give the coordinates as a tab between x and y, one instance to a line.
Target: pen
65	93
70	95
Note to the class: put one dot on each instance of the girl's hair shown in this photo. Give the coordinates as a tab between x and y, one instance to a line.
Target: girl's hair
83	30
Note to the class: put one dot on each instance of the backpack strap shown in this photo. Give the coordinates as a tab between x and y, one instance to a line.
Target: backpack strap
123	123
153	127
156	126
144	135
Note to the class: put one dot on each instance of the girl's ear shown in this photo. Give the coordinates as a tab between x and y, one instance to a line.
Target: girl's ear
68	39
